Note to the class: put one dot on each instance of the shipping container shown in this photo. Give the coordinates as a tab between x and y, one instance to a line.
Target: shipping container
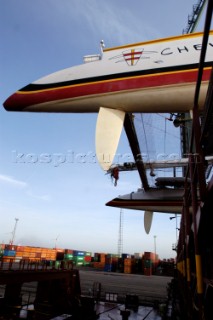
20	248
87	258
99	257
129	262
125	256
127	269
68	251
149	256
9	253
111	260
138	265
147	263
78	258
108	267
10	247
59	255
147	271
68	256
78	253
8	259
99	265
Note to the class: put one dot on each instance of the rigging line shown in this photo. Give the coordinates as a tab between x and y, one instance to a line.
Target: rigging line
148	314
178	170
157	128
152	174
145	137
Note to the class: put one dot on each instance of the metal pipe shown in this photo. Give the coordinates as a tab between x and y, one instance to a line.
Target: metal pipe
134	144
203	50
198	264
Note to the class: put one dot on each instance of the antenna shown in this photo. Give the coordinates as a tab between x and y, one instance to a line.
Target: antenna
14	231
120	234
102	46
56	239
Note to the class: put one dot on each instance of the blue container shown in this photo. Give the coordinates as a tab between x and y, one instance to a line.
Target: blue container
9	253
126	255
79	253
108	267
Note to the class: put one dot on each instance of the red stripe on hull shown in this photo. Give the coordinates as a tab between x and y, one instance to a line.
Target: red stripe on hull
25	99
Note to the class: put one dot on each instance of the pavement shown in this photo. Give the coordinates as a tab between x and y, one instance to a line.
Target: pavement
147	288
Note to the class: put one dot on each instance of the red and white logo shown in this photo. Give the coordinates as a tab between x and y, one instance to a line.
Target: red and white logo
132	56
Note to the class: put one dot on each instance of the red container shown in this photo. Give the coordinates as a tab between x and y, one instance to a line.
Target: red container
10	247
68	251
87	258
147	271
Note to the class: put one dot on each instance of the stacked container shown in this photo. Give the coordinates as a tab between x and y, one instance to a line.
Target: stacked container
99	261
111	262
88	259
138	263
78	257
18	253
59	255
68	255
129	265
150	261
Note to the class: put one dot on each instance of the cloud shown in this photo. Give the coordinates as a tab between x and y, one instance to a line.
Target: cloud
116	23
12	181
44	197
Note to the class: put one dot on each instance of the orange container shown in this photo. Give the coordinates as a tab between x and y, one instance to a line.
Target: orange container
128	269
99	265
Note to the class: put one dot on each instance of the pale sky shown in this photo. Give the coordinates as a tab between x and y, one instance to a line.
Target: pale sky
67	200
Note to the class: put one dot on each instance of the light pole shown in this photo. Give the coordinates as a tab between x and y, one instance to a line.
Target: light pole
154	250
155	244
175	217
